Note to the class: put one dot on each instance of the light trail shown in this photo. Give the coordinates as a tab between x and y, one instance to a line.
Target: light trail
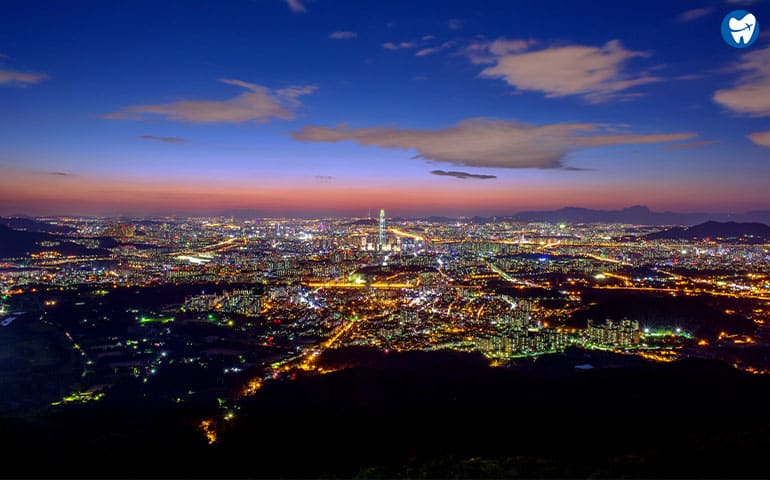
507	277
402	233
209	248
626	280
684	292
380	285
342	330
605	259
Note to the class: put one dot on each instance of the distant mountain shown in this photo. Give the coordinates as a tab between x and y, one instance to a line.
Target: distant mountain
17	243
21	243
364	222
31	225
724	231
639	215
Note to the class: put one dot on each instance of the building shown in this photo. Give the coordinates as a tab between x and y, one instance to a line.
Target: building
243	302
618	334
381	244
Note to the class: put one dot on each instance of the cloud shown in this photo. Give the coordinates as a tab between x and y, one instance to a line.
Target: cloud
750	94
481	52
760	138
424	43
398	46
59	174
323	178
688	145
20	79
454	24
162	139
480	142
694	14
462	175
258	104
691	76
595	73
294	92
342	35
296	6
432	50
427	51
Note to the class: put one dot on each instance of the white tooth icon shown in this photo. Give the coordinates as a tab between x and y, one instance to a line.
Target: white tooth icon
742	30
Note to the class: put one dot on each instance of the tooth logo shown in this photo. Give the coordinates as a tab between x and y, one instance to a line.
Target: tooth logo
740	28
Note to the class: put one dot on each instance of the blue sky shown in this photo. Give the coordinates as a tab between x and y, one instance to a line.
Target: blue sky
327	106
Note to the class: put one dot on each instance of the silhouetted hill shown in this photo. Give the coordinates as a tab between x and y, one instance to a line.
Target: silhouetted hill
668	313
364	222
723	231
425	415
20	243
639	215
30	225
442	415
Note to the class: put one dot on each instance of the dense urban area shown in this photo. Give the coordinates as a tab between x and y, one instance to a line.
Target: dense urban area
204	309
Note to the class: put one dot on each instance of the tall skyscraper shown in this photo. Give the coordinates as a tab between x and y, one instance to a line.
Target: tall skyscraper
382	230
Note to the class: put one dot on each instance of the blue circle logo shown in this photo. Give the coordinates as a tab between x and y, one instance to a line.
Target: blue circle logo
740	28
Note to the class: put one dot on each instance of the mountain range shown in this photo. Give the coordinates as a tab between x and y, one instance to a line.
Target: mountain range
21	243
723	231
638	215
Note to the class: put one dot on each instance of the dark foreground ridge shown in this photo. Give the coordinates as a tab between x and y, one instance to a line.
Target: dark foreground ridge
430	415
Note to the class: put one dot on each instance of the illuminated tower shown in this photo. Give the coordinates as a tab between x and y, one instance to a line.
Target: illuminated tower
382	229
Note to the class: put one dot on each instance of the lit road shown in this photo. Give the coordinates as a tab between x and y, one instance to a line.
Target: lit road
342	330
626	280
684	292
605	259
214	247
402	233
507	277
380	285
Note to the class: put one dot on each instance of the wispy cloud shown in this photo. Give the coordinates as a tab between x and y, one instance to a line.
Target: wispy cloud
481	52
342	35
59	174
454	24
296	6
760	138
480	142
296	91
258	104
751	93
398	46
163	139
427	51
688	145
595	73
462	175
432	50
13	78
427	45
694	14
323	178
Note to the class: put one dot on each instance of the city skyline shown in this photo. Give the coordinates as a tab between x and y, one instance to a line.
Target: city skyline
318	108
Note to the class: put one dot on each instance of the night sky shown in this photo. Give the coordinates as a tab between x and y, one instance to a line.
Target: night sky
306	107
